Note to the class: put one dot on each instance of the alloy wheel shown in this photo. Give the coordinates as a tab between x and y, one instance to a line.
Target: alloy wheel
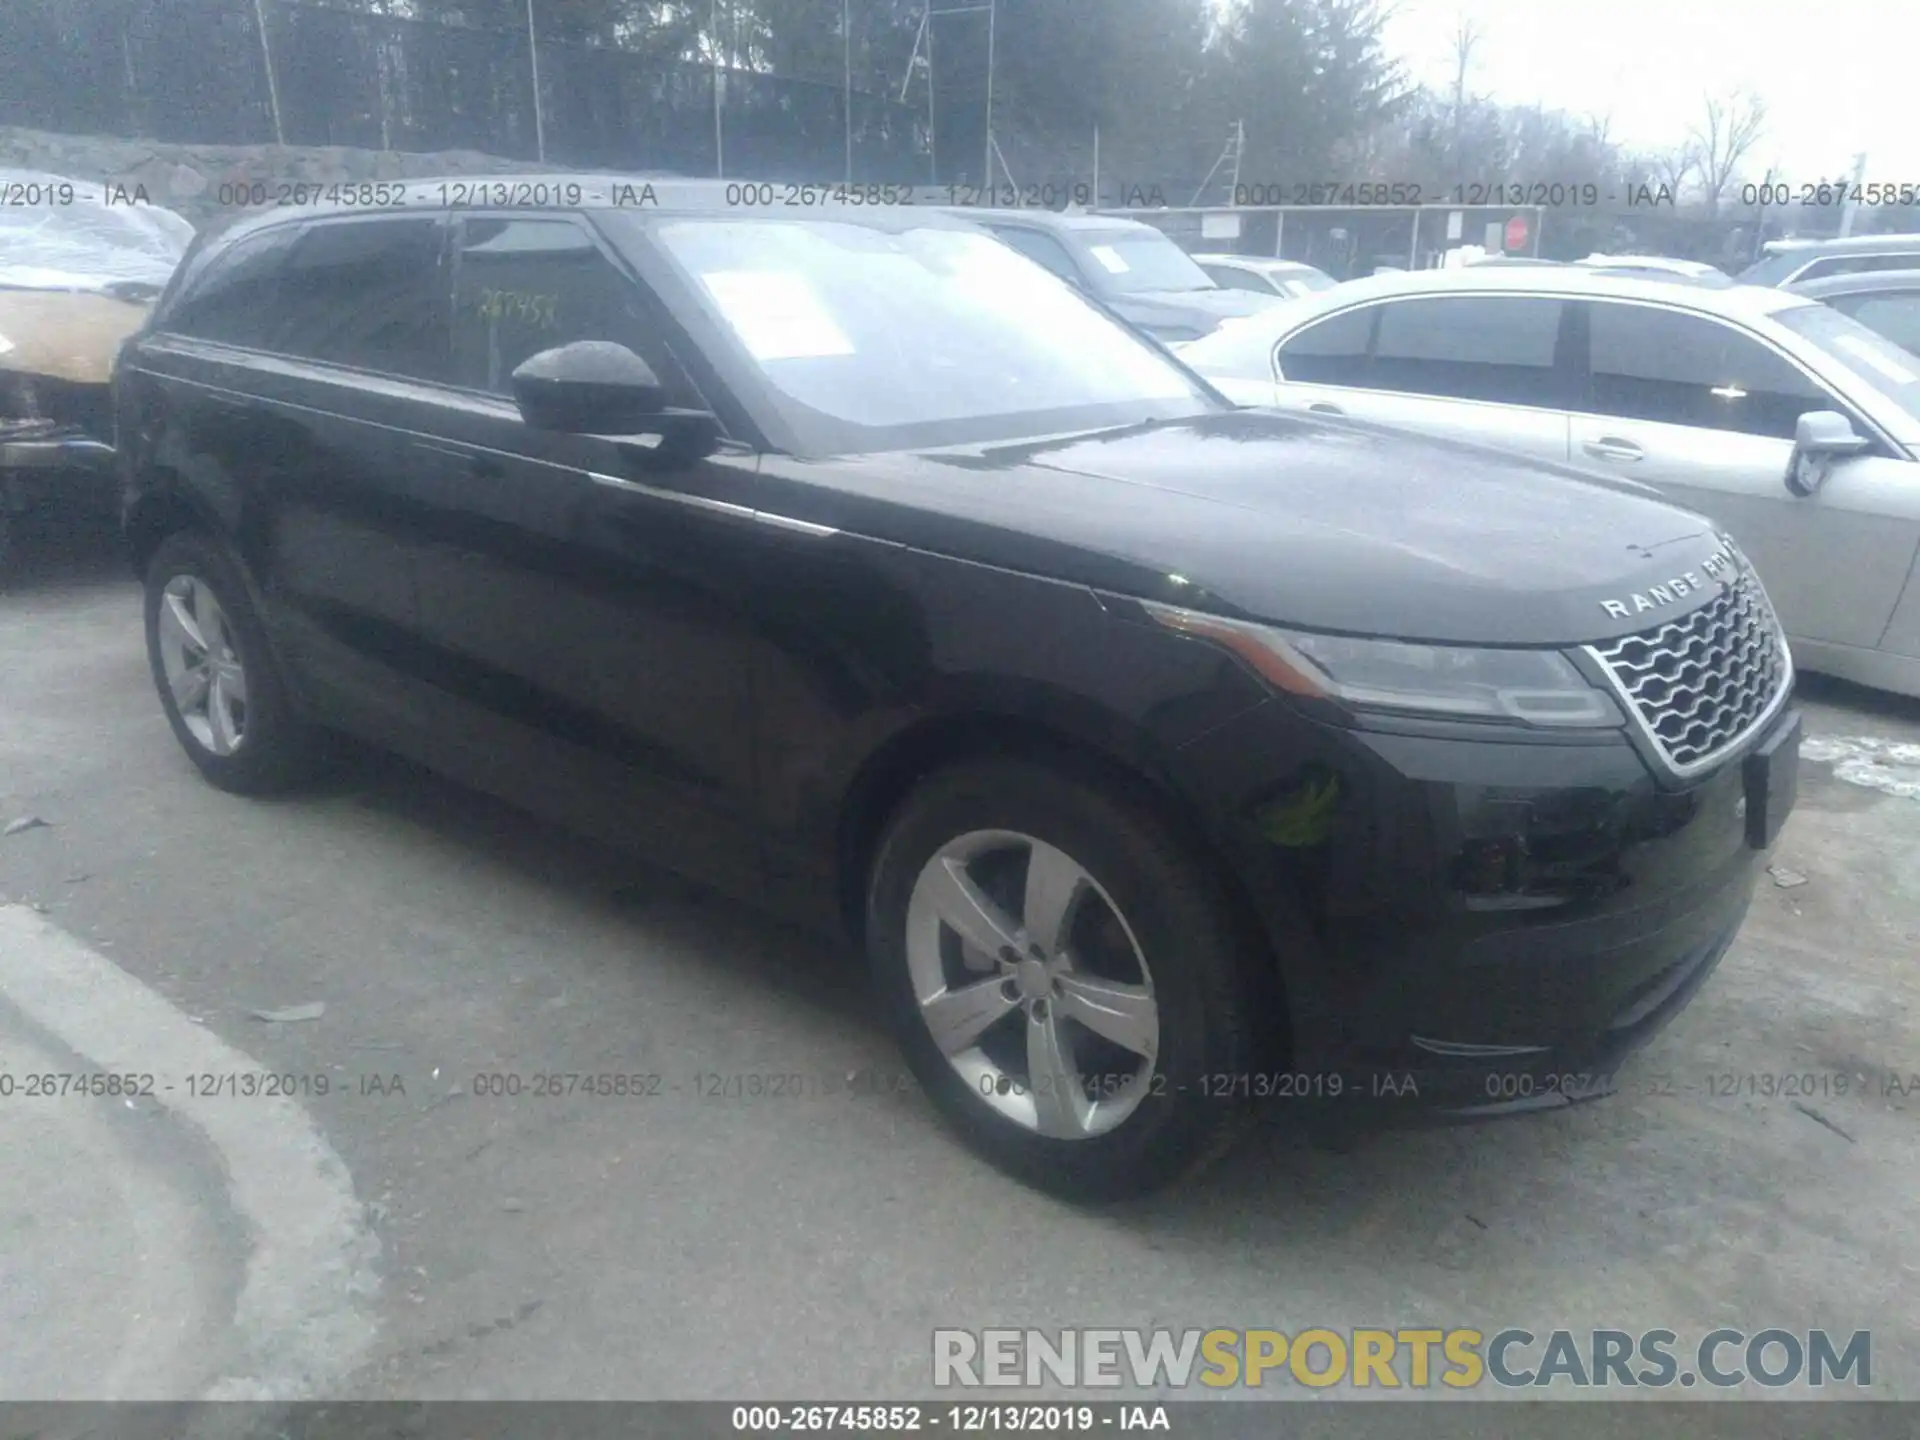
1031	984
202	665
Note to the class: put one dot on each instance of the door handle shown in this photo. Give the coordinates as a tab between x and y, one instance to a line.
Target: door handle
1611	447
1321	407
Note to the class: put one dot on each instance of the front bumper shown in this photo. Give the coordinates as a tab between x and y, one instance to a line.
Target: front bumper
1470	925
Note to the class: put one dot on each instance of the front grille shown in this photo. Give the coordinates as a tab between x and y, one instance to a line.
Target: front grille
1700	683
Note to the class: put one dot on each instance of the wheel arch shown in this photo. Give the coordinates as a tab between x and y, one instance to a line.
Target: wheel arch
889	775
155	513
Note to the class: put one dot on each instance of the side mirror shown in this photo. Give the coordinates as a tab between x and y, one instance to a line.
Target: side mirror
1820	438
596	387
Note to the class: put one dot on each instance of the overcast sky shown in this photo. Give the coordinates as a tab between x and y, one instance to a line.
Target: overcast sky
1838	76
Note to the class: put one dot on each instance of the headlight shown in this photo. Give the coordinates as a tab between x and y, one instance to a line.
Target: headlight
1533	687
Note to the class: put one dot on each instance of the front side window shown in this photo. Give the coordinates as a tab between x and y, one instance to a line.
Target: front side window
1679	369
1879	363
872	337
1331	351
1472	347
365	293
1894	314
523	286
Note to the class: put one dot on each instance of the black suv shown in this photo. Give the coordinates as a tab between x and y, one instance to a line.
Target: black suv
1163	756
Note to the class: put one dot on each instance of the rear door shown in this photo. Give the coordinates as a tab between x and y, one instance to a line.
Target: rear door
296	372
1705	411
1491	369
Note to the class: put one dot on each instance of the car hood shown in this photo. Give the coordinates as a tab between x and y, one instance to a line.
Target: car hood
1201	309
1325	525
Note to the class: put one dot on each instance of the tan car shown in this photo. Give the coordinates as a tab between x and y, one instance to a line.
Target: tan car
77	277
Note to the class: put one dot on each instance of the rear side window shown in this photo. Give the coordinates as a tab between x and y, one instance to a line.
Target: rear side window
1331	351
1675	369
523	286
233	300
1472	347
366	293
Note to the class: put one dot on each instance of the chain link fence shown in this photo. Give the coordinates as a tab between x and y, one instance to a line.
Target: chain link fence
197	72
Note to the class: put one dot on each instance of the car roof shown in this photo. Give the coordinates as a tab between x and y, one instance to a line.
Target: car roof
1649	262
1050	219
1857	282
1572	281
1844	245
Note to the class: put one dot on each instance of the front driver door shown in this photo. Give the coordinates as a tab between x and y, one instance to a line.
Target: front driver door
588	608
1705	412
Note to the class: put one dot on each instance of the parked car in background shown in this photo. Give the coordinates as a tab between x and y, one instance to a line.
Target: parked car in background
77	276
1659	267
1788	261
1264	275
1163	756
1135	270
1884	300
1793	425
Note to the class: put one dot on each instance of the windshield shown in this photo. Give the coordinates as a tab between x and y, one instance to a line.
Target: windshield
1875	359
1773	269
1131	261
56	234
878	339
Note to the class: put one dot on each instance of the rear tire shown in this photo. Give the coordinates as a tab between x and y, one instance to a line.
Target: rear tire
1093	911
218	678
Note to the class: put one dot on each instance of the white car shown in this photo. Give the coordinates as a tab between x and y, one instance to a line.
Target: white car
1264	275
1792	425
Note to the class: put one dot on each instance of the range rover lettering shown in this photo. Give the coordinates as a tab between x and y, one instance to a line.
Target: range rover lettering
1162	756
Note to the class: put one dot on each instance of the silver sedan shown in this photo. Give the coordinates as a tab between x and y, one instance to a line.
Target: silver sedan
1792	425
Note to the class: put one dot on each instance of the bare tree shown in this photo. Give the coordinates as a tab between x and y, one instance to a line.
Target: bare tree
1673	168
1729	130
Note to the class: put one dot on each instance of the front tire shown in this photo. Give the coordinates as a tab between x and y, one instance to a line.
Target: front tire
1065	978
216	673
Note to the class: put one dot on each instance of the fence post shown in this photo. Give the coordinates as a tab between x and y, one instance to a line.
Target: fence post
266	55
533	55
846	78
133	87
719	134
